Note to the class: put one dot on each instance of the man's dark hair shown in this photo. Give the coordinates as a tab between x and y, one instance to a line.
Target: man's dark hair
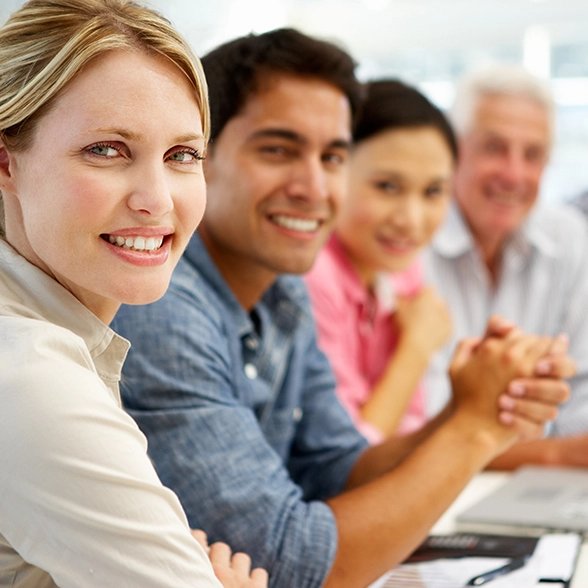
235	69
391	104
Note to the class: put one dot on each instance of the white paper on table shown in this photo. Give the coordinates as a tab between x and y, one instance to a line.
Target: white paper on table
554	558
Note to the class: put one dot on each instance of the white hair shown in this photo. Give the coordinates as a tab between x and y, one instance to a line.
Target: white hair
498	80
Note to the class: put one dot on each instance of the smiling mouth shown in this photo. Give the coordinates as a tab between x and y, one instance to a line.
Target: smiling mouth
302	225
138	243
403	244
505	197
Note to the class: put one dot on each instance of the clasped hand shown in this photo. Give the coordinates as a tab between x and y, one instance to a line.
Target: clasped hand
511	380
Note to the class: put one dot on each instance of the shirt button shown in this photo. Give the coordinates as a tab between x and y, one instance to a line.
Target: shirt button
251	343
297	414
250	371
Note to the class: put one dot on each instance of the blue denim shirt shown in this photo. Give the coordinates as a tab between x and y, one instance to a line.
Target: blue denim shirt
243	423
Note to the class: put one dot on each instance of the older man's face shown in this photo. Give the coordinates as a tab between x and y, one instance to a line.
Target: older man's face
501	159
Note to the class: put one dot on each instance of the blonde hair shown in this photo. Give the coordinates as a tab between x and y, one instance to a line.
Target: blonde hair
46	43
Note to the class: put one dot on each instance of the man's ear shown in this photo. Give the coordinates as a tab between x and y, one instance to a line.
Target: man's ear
6	169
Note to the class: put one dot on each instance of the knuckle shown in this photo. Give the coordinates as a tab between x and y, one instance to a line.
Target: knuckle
487	348
511	358
242	558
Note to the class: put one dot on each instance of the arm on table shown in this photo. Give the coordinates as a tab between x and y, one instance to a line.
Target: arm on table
202	416
382	521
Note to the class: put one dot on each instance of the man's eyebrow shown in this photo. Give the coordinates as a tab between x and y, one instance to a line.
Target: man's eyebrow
341	144
293	136
277	133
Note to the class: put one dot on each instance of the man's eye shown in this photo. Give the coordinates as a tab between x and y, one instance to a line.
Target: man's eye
492	148
277	150
535	155
333	158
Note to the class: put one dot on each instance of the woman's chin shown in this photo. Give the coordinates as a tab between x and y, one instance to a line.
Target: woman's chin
144	295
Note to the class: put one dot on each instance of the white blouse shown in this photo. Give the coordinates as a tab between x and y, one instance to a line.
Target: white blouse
80	502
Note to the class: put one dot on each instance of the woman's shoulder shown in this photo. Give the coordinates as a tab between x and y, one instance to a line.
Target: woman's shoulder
39	350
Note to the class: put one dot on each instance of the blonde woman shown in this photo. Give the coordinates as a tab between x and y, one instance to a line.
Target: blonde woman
103	126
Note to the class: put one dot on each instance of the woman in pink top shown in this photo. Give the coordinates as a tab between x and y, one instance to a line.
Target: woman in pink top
377	322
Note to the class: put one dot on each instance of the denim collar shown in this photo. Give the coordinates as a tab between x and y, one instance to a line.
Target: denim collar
285	298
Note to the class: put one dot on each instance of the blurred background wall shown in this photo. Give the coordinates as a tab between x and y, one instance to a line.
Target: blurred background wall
429	43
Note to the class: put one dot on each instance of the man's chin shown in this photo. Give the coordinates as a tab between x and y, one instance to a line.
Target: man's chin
295	265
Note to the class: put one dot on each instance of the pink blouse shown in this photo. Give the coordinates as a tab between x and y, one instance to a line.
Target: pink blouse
356	332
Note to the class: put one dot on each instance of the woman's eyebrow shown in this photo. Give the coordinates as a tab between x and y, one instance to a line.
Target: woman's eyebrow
130	135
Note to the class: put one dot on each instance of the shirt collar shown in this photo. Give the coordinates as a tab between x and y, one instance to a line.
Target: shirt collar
285	293
454	238
27	291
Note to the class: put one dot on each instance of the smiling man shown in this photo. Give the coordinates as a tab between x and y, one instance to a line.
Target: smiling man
501	251
225	377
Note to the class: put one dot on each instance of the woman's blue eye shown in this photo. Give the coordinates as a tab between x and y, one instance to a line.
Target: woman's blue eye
185	156
103	150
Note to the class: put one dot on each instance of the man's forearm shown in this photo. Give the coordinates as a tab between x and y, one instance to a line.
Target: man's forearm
380	523
382	458
554	451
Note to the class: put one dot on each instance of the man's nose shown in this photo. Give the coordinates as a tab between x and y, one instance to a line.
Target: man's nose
514	169
309	180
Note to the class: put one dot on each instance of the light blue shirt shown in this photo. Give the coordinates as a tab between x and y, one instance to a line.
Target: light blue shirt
242	422
542	287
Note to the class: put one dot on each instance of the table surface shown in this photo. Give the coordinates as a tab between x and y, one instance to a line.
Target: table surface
480	486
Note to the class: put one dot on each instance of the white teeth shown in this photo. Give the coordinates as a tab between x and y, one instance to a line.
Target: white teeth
137	243
296	224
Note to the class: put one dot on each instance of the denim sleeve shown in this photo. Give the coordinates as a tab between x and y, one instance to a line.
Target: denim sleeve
327	444
179	385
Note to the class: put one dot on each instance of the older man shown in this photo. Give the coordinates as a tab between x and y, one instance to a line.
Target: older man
502	252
